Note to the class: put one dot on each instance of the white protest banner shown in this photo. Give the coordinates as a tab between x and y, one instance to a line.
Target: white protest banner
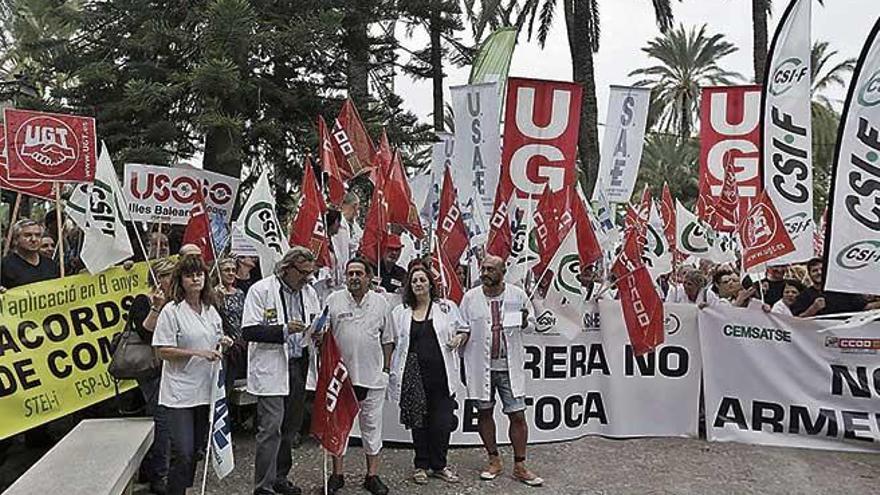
852	254
165	194
622	142
442	153
221	426
595	385
787	132
259	225
776	380
477	163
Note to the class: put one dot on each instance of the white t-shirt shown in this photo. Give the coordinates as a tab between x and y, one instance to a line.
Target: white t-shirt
781	308
360	331
187	382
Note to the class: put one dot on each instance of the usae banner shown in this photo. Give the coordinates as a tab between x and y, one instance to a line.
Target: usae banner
623	141
55	344
853	236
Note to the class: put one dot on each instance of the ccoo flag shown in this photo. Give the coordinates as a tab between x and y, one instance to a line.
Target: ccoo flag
852	240
335	405
786	138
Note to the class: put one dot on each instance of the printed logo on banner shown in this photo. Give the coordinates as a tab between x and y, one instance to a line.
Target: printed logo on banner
545	321
761	227
757	333
694	232
797	223
788	74
154	192
854	345
50	146
859	255
260	224
672	324
869	94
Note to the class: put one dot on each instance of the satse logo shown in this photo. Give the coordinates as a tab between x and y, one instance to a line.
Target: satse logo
49	142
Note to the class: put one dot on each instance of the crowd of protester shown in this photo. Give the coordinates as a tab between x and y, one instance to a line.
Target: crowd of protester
399	337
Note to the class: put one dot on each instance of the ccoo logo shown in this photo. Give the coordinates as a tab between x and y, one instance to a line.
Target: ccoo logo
789	73
859	255
869	94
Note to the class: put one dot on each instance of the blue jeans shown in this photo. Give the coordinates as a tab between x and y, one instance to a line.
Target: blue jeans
500	381
188	427
155	464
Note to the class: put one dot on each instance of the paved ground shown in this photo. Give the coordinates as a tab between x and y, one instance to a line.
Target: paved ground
601	466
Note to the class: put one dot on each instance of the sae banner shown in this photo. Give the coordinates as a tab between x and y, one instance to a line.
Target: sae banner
595	385
853	236
787	129
776	380
622	143
55	344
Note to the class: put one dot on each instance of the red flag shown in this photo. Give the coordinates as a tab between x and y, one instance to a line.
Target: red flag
384	155
553	220
335	405
727	203
42	189
589	250
452	235
335	183
308	227
500	239
401	209
198	228
375	227
641	304
444	271
50	146
354	148
706	209
762	234
667	212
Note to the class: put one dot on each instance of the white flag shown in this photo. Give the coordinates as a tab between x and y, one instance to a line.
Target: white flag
221	426
259	224
852	248
97	209
607	233
787	129
693	237
622	143
657	254
562	306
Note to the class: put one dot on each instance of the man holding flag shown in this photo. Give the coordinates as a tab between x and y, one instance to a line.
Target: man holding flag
277	310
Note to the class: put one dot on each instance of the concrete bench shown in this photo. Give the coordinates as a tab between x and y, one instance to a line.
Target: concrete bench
98	457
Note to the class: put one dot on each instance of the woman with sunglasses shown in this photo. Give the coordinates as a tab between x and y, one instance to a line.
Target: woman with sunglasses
424	371
188	338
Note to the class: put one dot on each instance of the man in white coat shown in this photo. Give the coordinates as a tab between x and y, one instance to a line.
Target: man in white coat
496	314
277	310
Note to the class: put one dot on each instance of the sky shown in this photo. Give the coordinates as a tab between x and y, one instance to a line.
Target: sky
627	26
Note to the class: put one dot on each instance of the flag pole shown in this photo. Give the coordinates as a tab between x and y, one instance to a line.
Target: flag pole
214	373
324	463
60	244
13	219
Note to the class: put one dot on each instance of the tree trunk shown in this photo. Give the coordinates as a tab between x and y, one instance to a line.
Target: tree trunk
685	124
357	43
223	152
583	74
759	38
437	70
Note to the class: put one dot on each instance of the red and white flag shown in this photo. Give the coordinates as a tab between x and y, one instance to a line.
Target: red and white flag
445	273
354	148
375	227
49	146
335	182
336	405
452	235
308	229
401	209
42	189
500	240
641	304
727	204
198	228
762	234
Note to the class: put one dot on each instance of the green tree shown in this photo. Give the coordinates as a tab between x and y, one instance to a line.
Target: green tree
668	159
688	59
582	22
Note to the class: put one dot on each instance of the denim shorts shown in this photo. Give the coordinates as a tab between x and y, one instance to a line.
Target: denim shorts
500	381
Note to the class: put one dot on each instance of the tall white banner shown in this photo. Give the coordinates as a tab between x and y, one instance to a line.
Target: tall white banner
442	154
787	134
595	385
258	223
853	244
622	143
477	164
776	380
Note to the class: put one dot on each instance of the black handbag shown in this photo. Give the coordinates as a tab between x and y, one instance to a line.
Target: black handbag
133	356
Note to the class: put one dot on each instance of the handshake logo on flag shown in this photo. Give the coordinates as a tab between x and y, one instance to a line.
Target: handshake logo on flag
45	141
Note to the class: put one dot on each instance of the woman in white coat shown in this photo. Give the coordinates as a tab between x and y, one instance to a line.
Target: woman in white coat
425	373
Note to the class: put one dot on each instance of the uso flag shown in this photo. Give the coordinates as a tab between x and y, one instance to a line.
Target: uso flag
335	404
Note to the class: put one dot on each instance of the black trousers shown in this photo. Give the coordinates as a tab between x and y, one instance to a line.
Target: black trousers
431	443
188	428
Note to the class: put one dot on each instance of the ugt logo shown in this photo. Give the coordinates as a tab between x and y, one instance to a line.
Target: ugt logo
787	75
761	227
48	142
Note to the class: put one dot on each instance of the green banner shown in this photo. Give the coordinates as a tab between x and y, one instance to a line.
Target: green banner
493	60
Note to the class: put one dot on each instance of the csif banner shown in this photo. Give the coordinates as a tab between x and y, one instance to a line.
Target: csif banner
623	142
730	131
852	240
796	383
55	344
786	125
478	145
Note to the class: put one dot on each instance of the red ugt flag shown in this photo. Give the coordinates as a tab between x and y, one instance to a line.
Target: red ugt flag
641	304
48	146
762	234
335	405
43	189
198	228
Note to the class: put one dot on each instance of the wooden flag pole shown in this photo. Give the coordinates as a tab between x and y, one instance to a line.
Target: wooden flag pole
60	243
12	220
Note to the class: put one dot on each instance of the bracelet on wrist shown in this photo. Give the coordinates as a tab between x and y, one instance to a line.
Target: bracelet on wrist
154	308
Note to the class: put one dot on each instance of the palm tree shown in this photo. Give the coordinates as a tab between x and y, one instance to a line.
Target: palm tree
688	60
582	23
825	75
668	159
760	10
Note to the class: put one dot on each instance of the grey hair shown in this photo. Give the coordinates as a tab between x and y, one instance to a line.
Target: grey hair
296	254
20	225
351	198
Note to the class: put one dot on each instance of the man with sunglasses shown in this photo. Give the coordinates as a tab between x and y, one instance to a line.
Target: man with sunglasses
277	310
